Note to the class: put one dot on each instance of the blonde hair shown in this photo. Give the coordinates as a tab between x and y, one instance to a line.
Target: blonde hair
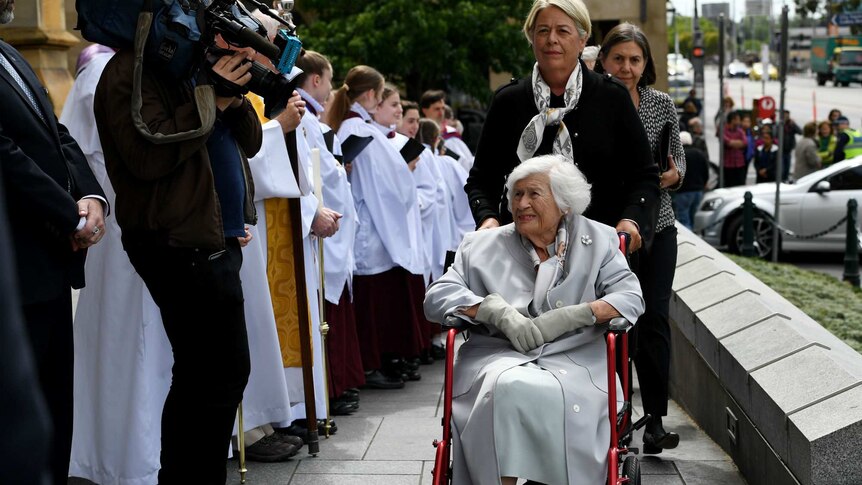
358	81
575	9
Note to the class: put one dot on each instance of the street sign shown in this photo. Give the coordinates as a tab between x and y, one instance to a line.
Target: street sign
766	107
847	18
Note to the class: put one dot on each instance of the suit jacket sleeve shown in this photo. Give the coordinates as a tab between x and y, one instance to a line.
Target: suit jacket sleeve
452	291
83	180
36	190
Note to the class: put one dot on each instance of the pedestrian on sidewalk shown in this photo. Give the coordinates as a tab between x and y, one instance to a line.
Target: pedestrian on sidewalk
766	158
687	199
735	142
807	160
788	143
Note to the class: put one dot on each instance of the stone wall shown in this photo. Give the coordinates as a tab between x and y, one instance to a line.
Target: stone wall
770	385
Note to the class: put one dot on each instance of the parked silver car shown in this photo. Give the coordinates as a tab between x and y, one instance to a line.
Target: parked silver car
810	206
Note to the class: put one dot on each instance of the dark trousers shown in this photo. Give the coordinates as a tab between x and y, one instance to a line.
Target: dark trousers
734	177
652	332
49	326
200	298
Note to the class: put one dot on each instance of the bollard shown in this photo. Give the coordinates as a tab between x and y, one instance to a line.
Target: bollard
851	253
748	227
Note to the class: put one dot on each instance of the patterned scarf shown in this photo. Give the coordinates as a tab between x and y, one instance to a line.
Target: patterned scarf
532	135
549	273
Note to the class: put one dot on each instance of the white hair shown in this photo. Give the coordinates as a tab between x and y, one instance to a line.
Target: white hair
590	53
685	138
569	187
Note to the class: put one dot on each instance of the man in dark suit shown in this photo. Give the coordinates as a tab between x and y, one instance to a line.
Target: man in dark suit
56	211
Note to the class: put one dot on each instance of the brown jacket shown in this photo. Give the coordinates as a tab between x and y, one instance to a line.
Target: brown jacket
165	193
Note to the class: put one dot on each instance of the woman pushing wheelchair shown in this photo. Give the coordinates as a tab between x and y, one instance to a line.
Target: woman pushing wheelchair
530	386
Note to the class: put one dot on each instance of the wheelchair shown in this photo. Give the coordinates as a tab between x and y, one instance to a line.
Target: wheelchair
623	466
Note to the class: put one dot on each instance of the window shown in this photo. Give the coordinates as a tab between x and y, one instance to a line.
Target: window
850	179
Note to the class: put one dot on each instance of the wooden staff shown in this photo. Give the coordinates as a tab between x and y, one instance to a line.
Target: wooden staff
306	350
324	327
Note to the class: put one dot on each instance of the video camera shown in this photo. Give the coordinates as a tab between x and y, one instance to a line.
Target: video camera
183	39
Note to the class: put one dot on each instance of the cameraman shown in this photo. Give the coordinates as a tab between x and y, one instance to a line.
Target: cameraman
181	207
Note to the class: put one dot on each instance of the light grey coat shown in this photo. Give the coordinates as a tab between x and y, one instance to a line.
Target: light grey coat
495	261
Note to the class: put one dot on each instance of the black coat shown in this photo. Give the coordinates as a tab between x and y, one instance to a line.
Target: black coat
609	144
45	174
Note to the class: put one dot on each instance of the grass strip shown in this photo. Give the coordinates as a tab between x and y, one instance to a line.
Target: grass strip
834	304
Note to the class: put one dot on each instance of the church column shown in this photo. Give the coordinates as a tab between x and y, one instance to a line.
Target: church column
39	32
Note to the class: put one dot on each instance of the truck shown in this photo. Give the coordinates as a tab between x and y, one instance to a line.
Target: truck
837	59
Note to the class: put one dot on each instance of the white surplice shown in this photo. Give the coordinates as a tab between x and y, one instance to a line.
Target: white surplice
338	262
273	178
384	193
458	146
455	178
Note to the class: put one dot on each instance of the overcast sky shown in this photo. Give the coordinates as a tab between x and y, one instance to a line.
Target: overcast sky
737	7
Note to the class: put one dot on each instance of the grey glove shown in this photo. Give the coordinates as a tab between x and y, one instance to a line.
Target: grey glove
556	322
518	328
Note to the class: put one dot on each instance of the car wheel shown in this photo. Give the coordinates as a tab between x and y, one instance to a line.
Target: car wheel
763	234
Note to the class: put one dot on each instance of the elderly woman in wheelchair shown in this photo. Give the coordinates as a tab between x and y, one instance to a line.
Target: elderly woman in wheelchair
530	393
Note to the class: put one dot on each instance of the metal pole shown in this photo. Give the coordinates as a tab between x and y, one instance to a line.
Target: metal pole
782	78
324	331
851	253
721	61
697	62
675	34
747	226
240	442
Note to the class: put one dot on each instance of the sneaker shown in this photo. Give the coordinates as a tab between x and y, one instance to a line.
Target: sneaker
270	449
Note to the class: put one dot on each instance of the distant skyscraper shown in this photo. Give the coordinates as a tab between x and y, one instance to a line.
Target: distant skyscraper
713	10
758	7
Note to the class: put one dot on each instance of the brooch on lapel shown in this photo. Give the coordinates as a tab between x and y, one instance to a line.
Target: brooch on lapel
585	240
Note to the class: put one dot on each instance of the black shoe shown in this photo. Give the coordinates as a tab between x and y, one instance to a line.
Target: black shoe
438	352
270	449
338	407
289	439
654	443
298	428
377	380
425	358
347	396
410	370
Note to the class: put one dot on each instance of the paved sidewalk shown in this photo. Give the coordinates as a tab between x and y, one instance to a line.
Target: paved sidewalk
388	442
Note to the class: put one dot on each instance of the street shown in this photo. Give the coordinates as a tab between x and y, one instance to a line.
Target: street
800	93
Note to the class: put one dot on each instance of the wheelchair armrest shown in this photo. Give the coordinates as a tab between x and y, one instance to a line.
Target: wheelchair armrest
459	324
619	325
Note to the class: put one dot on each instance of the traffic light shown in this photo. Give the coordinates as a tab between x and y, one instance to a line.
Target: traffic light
697	52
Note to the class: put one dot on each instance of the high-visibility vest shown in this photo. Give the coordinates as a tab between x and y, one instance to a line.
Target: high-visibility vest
853	147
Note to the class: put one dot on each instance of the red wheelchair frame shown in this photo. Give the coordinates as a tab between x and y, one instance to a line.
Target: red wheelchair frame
617	339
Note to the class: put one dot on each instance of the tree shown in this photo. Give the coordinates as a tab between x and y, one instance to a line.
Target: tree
445	44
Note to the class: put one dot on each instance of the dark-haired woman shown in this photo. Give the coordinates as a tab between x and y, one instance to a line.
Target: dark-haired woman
627	56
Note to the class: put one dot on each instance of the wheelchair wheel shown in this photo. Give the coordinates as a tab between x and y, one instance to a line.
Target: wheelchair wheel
632	470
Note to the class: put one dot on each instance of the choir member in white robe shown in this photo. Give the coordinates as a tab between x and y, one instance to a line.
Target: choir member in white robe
530	390
452	139
344	366
388	242
122	356
454	177
273	178
433	106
